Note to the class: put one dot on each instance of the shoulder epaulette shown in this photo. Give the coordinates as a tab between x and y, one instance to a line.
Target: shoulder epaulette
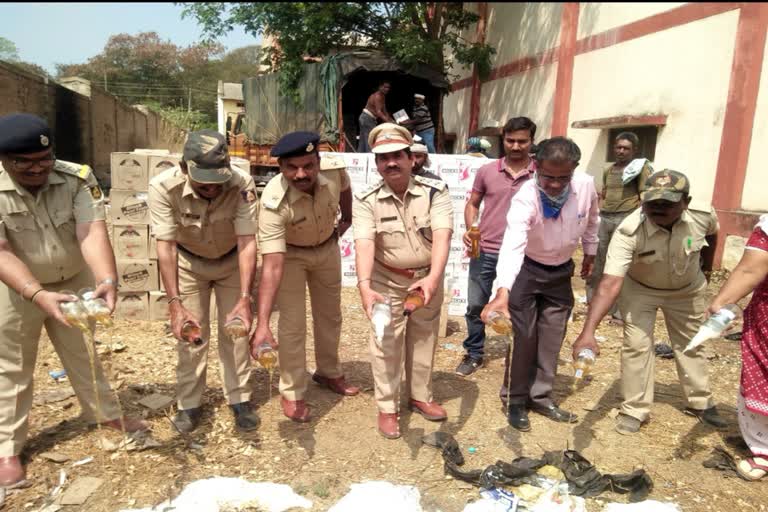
698	205
80	170
369	190
332	163
436	184
274	192
632	223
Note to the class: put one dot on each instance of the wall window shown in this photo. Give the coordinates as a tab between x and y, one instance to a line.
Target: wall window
647	135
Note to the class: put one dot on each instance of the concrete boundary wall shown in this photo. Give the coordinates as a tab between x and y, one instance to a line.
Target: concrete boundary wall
86	128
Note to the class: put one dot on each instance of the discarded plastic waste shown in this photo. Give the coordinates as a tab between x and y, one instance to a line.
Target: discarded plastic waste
558	499
57	374
583	478
472	449
494	500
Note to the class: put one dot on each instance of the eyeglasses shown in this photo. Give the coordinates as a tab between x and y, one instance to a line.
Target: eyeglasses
559	179
25	164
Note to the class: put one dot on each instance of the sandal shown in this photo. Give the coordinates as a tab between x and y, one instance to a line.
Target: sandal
750	469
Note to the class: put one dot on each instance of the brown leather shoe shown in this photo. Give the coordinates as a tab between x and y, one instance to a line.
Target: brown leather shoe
11	471
297	410
131	424
338	385
388	425
430	410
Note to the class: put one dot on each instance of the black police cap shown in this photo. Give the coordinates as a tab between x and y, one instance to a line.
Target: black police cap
24	133
296	144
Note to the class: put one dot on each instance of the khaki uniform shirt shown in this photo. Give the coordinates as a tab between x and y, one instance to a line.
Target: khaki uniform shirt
41	228
402	230
657	258
292	217
206	228
620	197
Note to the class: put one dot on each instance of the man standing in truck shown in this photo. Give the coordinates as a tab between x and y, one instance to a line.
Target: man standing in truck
375	112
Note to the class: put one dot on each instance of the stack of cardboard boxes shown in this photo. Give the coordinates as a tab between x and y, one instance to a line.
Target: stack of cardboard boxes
140	296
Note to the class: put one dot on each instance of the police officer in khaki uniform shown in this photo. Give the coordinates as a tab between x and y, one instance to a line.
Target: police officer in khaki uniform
402	228
298	239
52	237
204	215
655	260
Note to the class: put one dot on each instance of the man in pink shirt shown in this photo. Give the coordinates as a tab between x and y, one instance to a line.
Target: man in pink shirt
494	185
546	220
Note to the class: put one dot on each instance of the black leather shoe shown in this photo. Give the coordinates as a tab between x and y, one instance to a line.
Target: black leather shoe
245	417
187	420
518	417
555	413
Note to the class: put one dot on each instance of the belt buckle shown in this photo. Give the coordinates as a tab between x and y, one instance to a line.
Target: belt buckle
420	273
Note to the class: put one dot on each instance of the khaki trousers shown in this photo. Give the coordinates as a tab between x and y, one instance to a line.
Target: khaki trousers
320	269
20	325
683	314
197	277
408	341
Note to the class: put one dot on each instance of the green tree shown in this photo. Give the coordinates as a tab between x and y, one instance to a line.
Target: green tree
8	50
143	67
413	32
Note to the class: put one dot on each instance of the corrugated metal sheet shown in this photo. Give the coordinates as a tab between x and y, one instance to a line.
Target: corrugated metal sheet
269	114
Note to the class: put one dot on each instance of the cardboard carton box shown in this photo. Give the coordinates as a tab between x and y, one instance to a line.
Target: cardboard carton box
129	171
152	247
137	275
130	242
159	163
132	306
158	306
129	207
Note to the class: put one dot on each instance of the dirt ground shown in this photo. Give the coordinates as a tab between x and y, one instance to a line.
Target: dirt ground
341	445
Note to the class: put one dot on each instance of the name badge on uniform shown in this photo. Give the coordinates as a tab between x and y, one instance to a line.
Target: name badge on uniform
387	219
298	221
647	253
96	193
194	216
249	196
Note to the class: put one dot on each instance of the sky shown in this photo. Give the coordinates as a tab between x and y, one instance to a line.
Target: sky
70	33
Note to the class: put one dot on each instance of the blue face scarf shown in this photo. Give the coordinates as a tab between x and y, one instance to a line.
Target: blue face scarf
551	206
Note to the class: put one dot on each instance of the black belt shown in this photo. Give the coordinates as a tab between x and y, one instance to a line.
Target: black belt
333	236
190	253
551	268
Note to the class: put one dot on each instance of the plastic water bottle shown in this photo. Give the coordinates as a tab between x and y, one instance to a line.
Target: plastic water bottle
715	325
381	316
582	365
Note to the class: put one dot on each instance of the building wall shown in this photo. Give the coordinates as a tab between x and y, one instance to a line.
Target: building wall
666	77
757	179
86	129
703	65
596	17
